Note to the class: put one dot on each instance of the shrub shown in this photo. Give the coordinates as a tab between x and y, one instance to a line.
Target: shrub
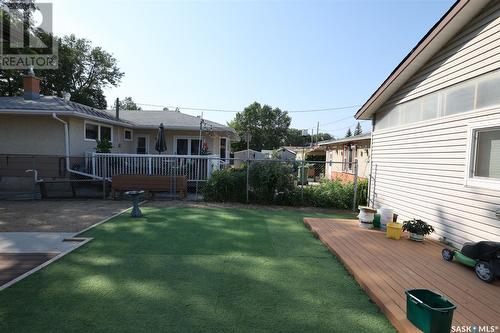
268	179
226	186
328	194
103	146
273	183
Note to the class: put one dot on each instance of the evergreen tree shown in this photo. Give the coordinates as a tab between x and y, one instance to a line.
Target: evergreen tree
358	130
349	133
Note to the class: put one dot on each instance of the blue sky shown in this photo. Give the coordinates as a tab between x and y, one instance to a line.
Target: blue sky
294	55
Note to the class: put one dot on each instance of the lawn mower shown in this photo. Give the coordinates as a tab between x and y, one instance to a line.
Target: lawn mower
483	256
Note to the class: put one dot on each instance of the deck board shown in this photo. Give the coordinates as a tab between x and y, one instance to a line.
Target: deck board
385	268
13	265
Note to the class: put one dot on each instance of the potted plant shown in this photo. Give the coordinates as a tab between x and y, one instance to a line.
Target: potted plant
417	229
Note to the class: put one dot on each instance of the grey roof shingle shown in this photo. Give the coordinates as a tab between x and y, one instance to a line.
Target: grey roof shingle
170	119
141	119
53	104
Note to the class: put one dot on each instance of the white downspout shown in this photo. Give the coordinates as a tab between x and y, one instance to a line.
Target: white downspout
66	148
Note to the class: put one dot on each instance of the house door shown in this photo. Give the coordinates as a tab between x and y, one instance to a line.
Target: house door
142	145
223	148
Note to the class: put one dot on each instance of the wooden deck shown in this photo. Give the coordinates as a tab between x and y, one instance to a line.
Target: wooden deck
385	268
13	265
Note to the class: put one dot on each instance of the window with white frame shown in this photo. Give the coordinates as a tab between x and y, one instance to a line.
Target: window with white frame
91	131
127	135
95	131
475	94
484	156
187	146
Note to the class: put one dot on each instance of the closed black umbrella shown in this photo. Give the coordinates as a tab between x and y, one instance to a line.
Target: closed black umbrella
161	145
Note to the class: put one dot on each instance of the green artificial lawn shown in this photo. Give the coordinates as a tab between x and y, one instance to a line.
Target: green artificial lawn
194	270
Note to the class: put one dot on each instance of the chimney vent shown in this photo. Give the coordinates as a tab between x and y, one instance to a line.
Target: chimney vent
117	108
31	85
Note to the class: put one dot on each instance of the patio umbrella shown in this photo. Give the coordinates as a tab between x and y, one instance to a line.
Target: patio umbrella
161	145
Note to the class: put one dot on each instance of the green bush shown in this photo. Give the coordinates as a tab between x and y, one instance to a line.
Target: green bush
269	179
273	183
328	194
226	186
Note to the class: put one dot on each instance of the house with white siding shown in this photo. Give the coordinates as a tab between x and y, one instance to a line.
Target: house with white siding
436	127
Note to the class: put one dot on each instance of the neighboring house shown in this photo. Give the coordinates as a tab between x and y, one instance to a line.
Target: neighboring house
282	153
268	153
314	152
50	126
436	136
341	155
241	156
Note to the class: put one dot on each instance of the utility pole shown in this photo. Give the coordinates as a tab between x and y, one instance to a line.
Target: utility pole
317	132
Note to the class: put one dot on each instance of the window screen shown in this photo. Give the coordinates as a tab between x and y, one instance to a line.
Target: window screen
487	163
430	107
195	147
411	112
460	100
91	131
128	135
488	93
182	146
106	133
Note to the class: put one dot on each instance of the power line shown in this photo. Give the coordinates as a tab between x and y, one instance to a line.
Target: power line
235	111
335	121
340	129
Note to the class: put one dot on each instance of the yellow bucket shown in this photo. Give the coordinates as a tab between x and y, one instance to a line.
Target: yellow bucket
394	230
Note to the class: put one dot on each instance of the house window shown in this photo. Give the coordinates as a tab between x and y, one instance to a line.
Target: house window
475	94
182	146
195	147
187	146
484	157
488	93
460	100
105	133
127	135
91	131
98	132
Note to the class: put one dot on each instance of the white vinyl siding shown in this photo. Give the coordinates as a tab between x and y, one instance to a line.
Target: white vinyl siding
426	165
420	168
472	52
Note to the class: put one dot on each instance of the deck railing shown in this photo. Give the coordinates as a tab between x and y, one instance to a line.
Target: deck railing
195	167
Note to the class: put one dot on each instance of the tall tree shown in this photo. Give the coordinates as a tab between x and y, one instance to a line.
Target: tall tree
349	133
322	137
294	137
358	130
127	104
267	125
83	70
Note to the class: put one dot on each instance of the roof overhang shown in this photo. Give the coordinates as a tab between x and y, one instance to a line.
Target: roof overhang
449	25
64	113
362	137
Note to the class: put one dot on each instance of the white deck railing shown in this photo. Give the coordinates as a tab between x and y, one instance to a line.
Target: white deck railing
195	167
